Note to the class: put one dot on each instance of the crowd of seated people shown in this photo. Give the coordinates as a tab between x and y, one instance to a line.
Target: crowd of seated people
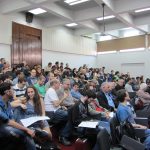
67	96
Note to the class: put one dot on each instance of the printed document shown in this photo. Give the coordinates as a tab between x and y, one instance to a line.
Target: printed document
28	121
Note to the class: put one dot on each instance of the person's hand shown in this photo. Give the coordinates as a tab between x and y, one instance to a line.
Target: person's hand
56	103
64	108
66	94
142	127
30	132
23	106
107	115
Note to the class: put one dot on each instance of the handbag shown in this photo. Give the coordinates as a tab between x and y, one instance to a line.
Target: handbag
127	129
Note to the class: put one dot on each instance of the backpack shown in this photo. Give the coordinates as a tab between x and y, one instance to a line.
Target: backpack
127	129
42	141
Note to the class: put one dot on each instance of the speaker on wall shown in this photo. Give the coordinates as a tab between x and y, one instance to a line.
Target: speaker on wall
29	17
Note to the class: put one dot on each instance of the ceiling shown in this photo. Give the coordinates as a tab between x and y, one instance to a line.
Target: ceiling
85	14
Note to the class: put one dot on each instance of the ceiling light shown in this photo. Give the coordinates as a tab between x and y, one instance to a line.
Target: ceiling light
107	52
141	10
132	50
74	2
129	33
106	17
70	1
105	38
71	24
37	11
126	28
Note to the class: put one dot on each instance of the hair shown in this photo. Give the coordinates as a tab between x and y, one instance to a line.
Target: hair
21	79
65	80
147	81
49	63
57	63
36	100
137	78
88	93
3	77
121	94
117	72
75	83
18	72
103	84
3	87
128	79
41	78
53	82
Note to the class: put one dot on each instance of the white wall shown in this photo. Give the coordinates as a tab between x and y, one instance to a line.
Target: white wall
53	40
116	60
74	60
5	52
63	40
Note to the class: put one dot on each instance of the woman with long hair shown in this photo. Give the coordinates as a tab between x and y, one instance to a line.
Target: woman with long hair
34	107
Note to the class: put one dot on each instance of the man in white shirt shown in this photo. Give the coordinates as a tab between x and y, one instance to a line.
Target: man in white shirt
53	107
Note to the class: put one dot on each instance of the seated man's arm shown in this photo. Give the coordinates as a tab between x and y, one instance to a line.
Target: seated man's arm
18	126
59	102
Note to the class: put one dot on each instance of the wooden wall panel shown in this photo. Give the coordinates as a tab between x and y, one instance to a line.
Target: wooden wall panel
26	45
148	40
123	43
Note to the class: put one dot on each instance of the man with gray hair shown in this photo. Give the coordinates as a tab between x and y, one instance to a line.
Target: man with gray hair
104	98
65	89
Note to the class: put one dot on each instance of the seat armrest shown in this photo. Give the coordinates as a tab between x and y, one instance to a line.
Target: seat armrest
141	121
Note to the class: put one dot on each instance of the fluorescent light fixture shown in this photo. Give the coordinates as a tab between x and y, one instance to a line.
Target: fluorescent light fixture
106	17
131	33
74	2
105	38
71	24
141	10
132	50
126	28
107	52
37	11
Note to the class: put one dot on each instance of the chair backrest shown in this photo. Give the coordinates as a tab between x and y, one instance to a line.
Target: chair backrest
114	127
131	144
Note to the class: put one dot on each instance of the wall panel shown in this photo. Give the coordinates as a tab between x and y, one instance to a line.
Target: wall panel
123	43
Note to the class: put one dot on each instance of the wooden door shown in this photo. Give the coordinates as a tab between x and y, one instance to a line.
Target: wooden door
26	45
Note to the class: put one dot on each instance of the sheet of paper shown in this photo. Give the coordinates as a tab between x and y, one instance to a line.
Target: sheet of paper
88	124
111	114
28	121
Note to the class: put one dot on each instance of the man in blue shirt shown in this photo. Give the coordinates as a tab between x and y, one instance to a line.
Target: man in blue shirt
124	113
75	91
8	127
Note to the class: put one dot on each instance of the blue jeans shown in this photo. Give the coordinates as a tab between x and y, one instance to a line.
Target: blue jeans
147	140
17	134
58	116
104	124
